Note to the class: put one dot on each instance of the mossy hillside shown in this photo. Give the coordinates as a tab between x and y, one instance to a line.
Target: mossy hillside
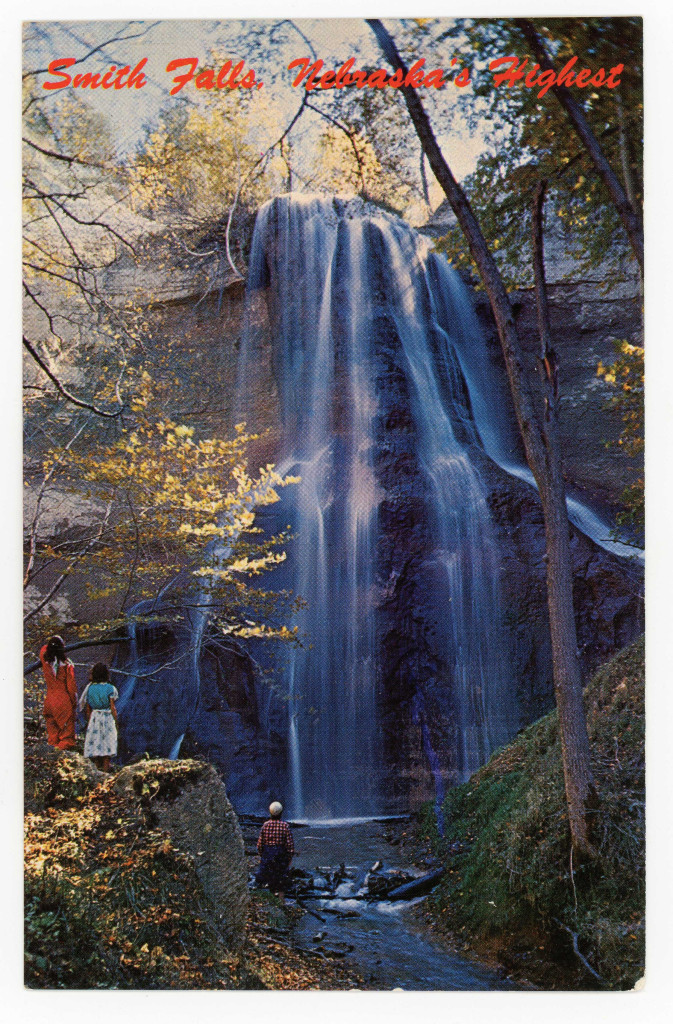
512	872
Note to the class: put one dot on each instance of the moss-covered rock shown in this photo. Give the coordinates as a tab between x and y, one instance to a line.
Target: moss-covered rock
131	887
189	801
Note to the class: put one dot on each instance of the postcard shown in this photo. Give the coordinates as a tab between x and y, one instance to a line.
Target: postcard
334	530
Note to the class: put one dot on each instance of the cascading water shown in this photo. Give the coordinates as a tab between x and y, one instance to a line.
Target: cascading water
339	281
362	350
492	405
331	682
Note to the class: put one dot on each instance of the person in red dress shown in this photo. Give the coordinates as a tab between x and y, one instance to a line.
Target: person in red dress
60	700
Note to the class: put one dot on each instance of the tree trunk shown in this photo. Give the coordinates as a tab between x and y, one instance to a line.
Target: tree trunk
624	154
424	181
631	220
541	303
567	673
542	457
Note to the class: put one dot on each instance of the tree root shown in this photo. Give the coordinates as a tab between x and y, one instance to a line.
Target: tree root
583	960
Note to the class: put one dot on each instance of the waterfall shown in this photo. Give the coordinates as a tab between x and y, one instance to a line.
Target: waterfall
345	288
493	410
362	353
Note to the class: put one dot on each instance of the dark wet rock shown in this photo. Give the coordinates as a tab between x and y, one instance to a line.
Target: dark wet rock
214	717
379	886
416	701
339	874
334	949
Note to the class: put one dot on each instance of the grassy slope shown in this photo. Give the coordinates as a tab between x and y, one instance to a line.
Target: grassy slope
511	875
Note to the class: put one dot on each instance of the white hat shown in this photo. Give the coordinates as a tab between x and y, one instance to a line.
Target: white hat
276	809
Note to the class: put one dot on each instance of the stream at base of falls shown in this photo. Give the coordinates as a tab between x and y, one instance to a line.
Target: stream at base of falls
383	941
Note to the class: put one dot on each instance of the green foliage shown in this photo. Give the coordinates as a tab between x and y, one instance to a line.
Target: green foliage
531	139
627	375
513	868
62	948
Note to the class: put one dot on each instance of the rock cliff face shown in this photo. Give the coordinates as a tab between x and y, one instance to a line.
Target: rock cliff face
215	715
225	720
587	317
417	720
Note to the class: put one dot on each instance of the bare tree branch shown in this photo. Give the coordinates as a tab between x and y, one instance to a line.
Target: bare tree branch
64	575
66	394
96	49
351	138
231	212
36	518
78	645
60	156
575	940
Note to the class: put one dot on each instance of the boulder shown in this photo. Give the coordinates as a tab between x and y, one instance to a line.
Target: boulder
188	799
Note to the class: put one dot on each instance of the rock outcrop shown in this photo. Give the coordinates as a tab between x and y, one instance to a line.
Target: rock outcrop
188	799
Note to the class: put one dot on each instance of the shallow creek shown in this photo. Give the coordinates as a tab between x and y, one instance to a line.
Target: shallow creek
384	942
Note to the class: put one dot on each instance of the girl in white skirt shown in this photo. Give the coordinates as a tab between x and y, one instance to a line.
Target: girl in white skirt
98	704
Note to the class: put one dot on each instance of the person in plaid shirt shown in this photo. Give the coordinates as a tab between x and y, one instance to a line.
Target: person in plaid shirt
276	848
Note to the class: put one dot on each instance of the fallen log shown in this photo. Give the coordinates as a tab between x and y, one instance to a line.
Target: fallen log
416	888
